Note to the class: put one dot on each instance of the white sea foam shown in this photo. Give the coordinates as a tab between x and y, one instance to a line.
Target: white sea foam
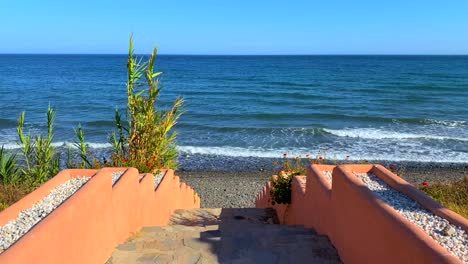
447	122
400	150
352	153
373	133
403	151
235	151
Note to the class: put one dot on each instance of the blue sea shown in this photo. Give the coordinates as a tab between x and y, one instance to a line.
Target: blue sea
399	108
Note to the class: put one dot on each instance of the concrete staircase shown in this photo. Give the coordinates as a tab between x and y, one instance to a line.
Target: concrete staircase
225	235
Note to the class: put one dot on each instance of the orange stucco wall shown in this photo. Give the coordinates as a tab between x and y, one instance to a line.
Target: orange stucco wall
360	225
98	217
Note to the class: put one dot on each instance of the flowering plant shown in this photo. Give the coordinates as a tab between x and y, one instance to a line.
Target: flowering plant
280	191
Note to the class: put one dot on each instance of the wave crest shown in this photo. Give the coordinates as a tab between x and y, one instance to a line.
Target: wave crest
373	133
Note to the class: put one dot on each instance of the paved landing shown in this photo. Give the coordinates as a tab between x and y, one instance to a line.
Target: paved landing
229	235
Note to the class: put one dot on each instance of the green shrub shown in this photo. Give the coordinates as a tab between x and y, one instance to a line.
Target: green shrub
281	184
82	147
147	141
280	191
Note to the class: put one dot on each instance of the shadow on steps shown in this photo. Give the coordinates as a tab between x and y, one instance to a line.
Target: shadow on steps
228	235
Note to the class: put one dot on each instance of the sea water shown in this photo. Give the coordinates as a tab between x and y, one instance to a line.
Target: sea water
402	108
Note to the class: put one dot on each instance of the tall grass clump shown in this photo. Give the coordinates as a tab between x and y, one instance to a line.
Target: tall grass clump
41	162
35	164
146	141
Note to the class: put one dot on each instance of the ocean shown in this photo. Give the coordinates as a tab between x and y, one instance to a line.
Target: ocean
398	108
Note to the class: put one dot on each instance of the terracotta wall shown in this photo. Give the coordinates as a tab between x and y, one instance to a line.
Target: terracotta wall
91	223
361	226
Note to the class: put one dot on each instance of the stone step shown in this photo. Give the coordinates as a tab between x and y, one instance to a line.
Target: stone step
245	235
208	216
226	231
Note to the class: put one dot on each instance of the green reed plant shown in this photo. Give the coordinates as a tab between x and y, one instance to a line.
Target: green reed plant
9	172
82	147
41	162
69	162
147	142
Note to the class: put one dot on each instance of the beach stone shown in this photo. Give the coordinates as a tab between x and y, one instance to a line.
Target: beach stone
448	231
226	235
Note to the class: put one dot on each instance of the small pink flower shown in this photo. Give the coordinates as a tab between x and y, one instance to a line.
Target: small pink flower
425	184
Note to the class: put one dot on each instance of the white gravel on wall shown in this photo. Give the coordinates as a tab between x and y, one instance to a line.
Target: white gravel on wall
451	237
328	175
158	178
15	229
116	176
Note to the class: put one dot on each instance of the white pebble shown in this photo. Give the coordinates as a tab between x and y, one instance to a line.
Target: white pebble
116	176
158	178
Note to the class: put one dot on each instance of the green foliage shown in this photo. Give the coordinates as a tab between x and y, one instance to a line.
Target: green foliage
453	195
147	142
280	191
9	173
281	184
39	154
294	167
3	205
81	146
69	162
119	140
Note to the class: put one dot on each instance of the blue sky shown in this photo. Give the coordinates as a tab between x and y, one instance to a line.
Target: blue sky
235	27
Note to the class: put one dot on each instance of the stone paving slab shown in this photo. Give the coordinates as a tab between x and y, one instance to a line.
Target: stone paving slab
244	235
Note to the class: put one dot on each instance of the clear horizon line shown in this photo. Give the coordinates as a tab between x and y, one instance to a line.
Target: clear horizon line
195	54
